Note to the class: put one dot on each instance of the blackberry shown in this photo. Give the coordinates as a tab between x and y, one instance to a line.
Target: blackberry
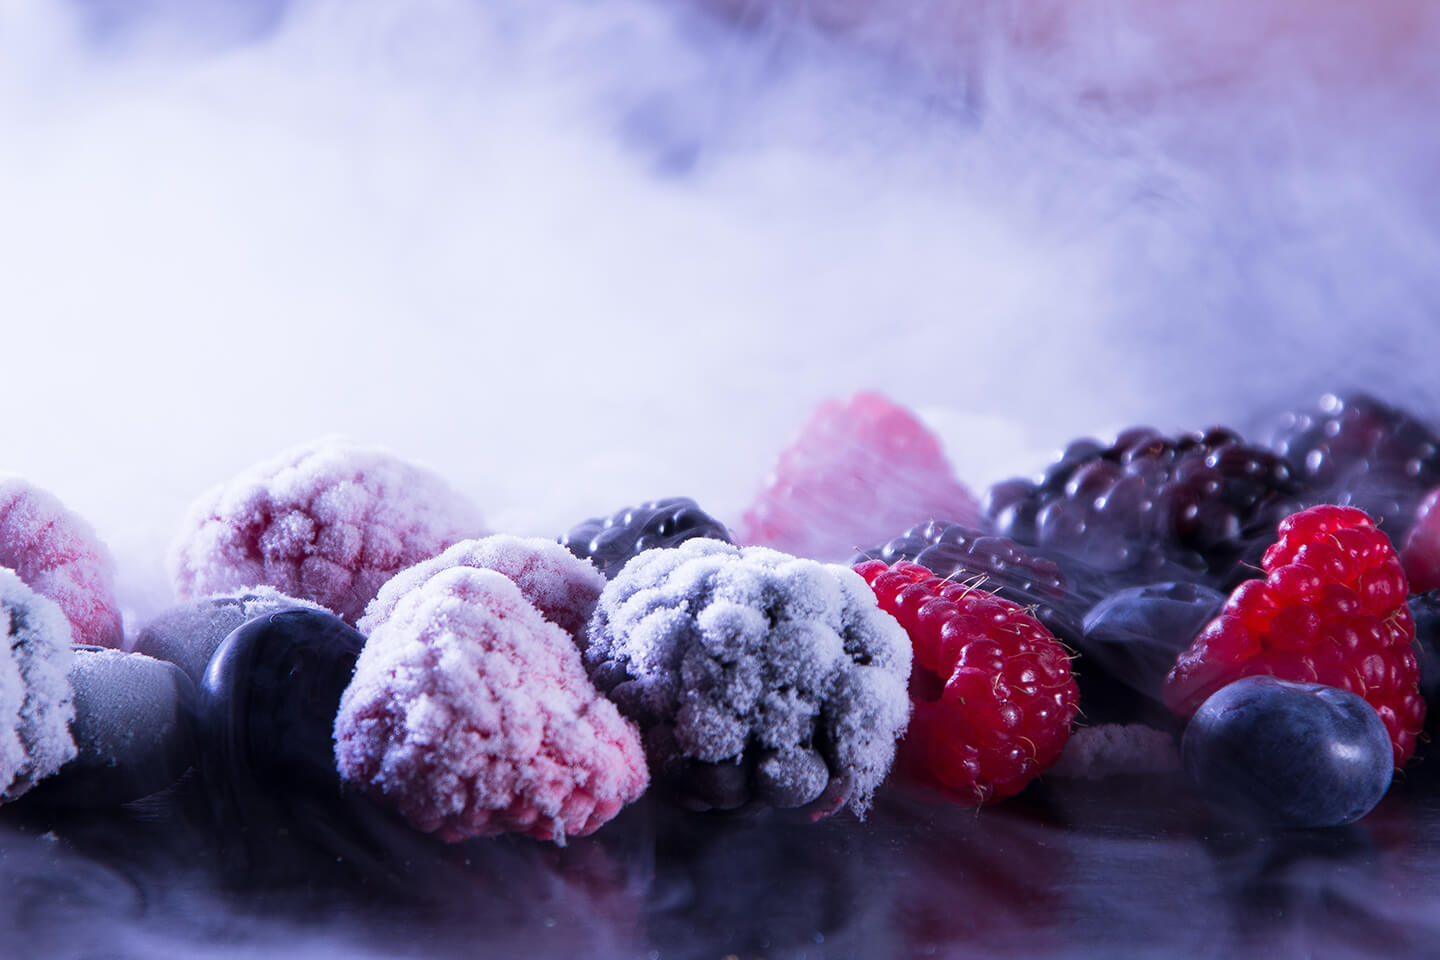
1199	507
954	551
1355	450
610	542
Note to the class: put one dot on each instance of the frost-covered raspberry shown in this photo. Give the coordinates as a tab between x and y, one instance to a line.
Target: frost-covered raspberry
187	634
328	523
471	714
36	702
754	675
57	554
562	587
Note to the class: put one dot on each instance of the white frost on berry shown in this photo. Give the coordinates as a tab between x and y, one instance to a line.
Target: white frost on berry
56	553
327	522
1111	749
561	586
187	635
36	701
750	648
472	715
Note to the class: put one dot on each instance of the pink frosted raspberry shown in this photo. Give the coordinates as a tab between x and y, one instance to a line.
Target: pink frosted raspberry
57	554
327	523
471	714
861	471
561	586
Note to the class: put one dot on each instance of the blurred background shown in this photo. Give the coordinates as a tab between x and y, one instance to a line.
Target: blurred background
574	254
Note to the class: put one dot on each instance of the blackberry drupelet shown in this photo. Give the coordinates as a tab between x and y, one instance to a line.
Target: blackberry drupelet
1200	507
610	542
1358	451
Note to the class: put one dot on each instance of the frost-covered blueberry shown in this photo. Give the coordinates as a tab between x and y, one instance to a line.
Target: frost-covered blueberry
611	542
754	675
329	523
560	586
188	634
1292	754
268	702
1130	641
471	715
133	730
36	702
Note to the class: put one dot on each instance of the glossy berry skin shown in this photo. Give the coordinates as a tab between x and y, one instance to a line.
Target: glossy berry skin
1358	451
1291	754
1331	610
1425	610
990	687
611	542
1151	507
1420	554
1130	642
268	703
953	551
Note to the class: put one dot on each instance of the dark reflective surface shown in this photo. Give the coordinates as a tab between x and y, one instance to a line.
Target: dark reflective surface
1123	867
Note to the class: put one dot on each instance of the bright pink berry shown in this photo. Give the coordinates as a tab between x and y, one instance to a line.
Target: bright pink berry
860	470
991	691
1421	554
1331	610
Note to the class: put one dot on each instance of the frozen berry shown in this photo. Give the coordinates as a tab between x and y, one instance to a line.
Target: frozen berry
756	677
133	729
1130	642
1292	754
1331	610
471	715
953	551
1421	552
991	689
327	523
1355	450
57	554
1154	508
610	542
860	470
560	586
188	634
36	702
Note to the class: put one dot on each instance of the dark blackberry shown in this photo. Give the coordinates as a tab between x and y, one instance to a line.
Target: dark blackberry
610	542
1000	566
1358	451
1200	507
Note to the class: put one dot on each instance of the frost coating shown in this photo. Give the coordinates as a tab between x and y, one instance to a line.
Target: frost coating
36	702
329	523
754	661
56	553
558	584
187	635
471	714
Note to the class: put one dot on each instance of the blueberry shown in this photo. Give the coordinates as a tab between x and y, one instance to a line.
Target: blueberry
610	542
1291	754
1425	608
133	728
1130	641
269	698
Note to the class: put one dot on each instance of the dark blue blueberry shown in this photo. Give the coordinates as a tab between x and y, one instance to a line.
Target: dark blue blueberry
1130	642
269	699
1425	608
133	728
1290	754
610	542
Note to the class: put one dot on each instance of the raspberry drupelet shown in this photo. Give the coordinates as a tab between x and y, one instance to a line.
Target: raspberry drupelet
1331	610
991	690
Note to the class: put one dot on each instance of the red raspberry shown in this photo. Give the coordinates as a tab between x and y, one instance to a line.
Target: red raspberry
1331	610
1421	553
990	688
860	470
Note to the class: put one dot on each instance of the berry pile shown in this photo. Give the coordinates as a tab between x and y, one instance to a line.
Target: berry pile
991	690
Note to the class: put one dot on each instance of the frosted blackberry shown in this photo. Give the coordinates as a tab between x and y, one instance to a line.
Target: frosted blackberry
610	542
1001	566
1358	451
1200	507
